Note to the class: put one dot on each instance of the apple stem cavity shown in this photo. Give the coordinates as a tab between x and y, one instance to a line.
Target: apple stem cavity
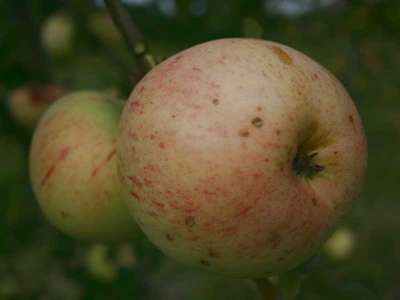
304	165
132	35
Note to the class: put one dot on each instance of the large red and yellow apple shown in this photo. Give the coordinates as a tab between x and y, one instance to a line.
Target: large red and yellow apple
240	155
73	168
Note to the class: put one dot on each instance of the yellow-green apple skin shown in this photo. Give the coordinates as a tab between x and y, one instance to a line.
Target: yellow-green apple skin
73	168
240	156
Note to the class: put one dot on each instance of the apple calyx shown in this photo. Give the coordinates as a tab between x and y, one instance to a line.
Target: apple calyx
304	165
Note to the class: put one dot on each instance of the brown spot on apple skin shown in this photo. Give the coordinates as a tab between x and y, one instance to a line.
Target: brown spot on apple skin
244	133
278	132
275	239
257	122
259	108
194	68
215	101
161	145
212	253
314	201
205	262
169	237
190	221
265	74
282	55
351	120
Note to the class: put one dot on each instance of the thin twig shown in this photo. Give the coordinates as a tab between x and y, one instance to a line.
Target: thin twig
132	35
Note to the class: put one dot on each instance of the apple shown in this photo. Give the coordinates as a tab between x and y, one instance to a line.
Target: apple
240	156
99	263
58	34
27	103
73	168
341	244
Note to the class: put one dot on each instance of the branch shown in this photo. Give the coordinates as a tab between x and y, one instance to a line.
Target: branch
132	35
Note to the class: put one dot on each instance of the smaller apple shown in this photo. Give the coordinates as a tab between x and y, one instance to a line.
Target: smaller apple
27	103
74	170
341	244
58	33
99	263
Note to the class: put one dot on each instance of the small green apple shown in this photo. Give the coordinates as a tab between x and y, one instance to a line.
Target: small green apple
240	156
99	264
58	34
73	168
340	245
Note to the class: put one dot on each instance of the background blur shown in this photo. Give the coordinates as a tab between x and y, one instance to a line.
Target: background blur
72	45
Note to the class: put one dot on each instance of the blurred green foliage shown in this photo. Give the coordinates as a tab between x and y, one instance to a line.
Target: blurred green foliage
359	41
